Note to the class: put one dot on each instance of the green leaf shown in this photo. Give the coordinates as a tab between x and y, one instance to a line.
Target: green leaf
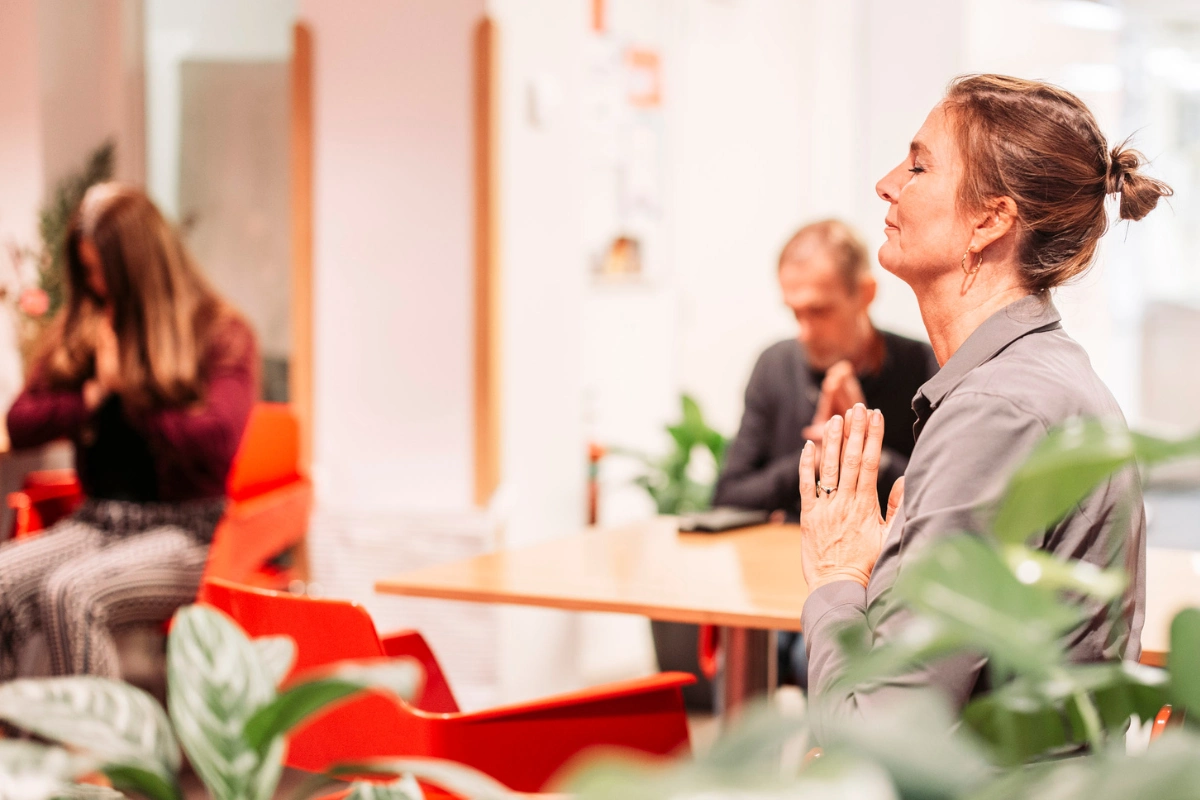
115	721
215	683
1184	661
292	708
1039	568
456	778
401	677
964	585
406	788
88	791
1017	729
277	654
915	743
30	769
920	642
148	783
1067	465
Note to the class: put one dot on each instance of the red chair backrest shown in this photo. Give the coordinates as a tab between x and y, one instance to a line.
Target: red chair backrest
269	453
324	631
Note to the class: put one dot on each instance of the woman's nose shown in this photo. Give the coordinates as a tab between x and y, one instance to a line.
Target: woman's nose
886	188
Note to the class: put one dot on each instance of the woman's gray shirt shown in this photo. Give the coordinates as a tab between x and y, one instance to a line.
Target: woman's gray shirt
1016	376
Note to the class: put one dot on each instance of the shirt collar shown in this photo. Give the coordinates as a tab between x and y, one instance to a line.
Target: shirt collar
1030	314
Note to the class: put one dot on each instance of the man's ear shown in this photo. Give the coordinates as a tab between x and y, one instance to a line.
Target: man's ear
994	223
867	287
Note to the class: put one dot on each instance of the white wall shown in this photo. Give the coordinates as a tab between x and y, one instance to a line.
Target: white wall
392	285
20	164
542	268
740	137
20	121
90	61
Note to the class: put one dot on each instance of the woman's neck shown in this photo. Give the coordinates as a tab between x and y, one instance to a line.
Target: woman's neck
954	305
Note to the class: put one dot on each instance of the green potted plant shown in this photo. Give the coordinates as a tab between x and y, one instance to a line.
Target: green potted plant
224	711
672	482
1049	729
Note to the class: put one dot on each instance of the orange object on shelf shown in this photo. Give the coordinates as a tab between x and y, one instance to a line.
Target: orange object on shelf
522	745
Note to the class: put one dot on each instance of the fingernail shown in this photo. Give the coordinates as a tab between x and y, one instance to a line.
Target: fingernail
860	413
877	417
807	447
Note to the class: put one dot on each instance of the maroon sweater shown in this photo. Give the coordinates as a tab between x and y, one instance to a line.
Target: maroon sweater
170	455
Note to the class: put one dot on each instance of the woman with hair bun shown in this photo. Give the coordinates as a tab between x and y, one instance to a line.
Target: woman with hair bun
153	376
1000	200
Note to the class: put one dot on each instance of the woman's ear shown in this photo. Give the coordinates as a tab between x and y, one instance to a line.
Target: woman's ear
994	223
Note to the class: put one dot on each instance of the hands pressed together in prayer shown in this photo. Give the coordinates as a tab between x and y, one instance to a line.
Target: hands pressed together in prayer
841	524
839	389
108	364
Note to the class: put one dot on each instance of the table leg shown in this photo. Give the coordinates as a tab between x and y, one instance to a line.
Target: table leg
749	669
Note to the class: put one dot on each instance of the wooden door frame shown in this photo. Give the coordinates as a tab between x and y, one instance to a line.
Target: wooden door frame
300	373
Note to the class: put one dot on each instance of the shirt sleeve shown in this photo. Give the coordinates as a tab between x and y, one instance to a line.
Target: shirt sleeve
208	434
41	414
968	448
750	478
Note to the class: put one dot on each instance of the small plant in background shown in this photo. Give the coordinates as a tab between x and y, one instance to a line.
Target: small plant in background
37	285
224	712
676	482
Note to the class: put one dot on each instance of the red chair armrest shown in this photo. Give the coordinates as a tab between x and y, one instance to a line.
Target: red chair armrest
257	529
435	695
637	689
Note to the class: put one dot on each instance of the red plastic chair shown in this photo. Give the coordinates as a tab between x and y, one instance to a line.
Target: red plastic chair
521	745
269	500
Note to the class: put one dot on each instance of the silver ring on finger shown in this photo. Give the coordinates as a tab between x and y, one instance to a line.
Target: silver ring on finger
827	490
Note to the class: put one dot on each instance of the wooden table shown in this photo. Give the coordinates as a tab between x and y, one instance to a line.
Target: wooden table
1172	584
748	582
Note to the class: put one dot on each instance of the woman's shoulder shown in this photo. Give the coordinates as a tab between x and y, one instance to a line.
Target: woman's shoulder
1047	374
231	337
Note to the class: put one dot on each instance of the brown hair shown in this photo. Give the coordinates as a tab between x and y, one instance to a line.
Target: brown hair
163	310
1041	146
836	238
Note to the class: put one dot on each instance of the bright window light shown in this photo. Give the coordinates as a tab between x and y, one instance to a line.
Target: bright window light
1090	15
1092	77
1174	66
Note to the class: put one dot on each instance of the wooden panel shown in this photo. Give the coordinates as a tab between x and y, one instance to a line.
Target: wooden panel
487	268
300	375
749	578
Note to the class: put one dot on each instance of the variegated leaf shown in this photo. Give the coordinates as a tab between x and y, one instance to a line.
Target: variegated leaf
115	721
216	681
298	703
88	791
406	788
31	771
277	654
454	777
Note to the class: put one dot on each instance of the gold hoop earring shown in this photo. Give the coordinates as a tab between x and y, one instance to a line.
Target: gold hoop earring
971	270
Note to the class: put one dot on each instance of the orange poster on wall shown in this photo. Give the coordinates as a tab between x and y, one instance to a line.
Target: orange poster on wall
645	77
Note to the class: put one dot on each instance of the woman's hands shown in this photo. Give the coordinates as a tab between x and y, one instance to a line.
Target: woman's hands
843	531
108	365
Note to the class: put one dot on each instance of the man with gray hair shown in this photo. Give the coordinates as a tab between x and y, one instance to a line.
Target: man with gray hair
837	359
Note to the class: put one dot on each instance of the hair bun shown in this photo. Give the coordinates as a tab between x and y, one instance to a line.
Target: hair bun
1139	193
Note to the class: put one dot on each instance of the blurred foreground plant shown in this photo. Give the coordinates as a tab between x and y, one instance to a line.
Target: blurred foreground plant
1049	729
224	712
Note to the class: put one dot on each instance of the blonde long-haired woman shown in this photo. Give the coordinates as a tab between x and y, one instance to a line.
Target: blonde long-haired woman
153	376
